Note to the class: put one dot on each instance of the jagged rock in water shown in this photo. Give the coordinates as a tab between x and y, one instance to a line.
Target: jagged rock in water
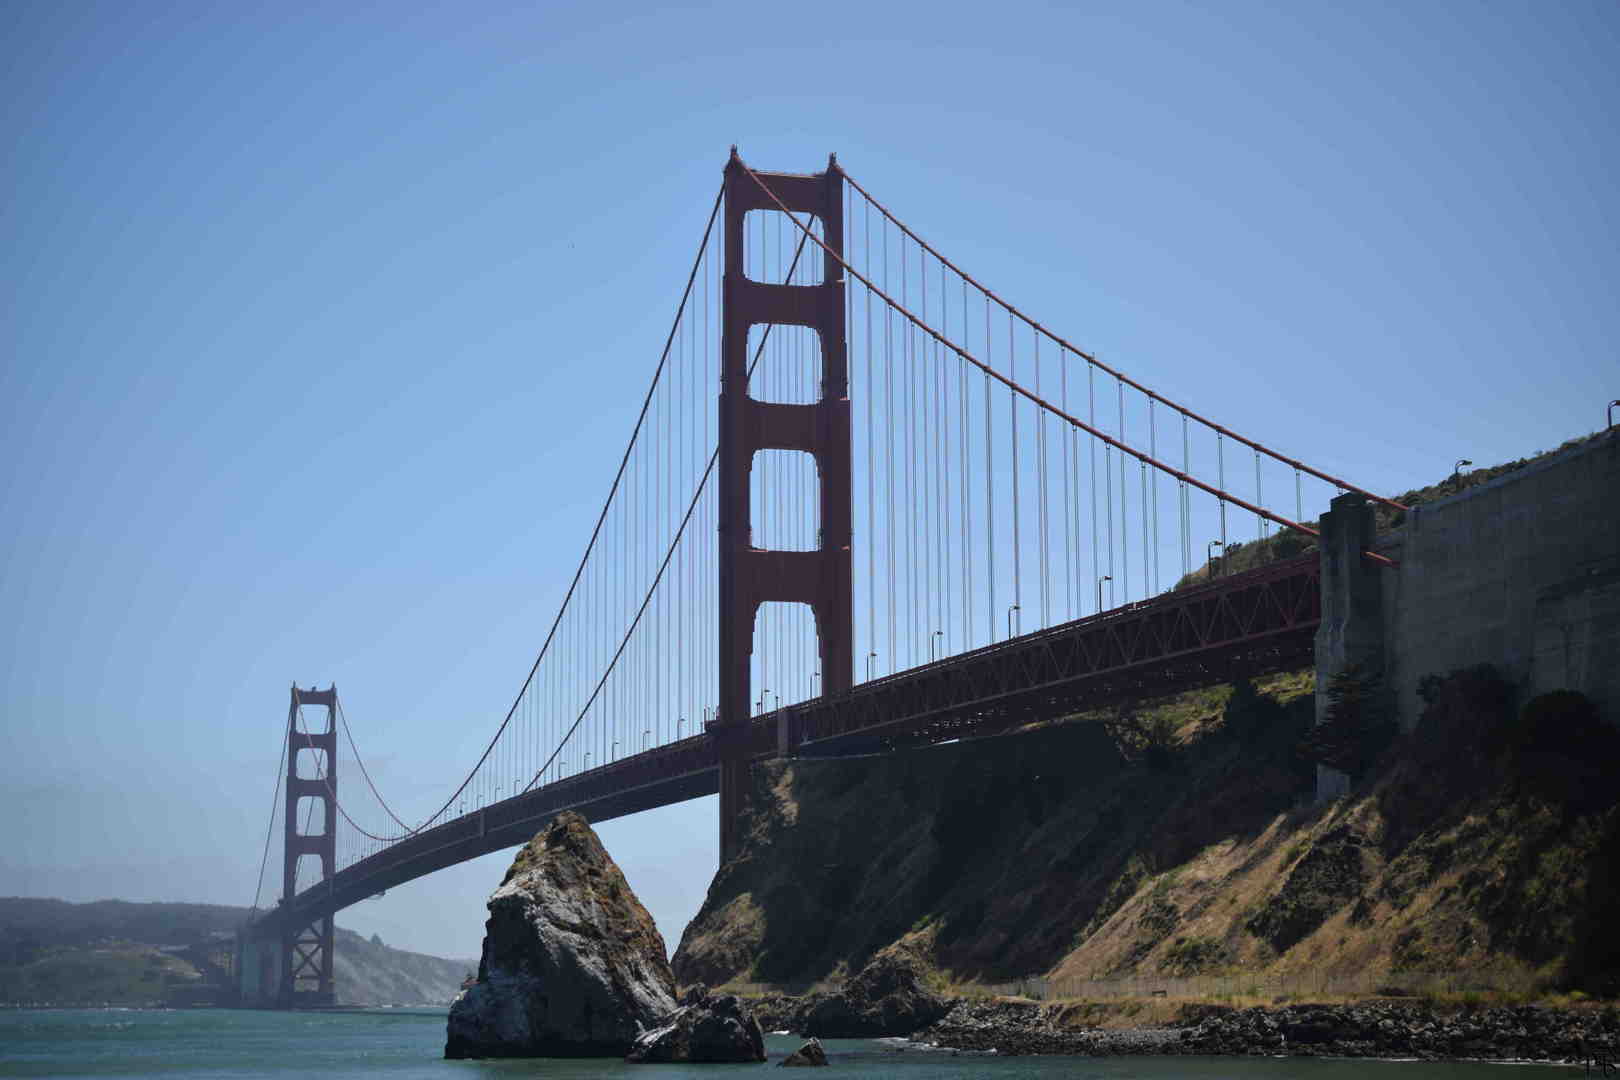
887	997
573	965
705	1028
810	1053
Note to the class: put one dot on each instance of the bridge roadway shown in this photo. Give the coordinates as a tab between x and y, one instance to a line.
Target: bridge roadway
1247	624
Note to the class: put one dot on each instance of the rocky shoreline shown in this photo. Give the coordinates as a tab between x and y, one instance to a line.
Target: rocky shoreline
1379	1029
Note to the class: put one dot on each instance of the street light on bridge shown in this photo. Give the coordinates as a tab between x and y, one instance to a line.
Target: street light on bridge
1012	608
1456	474
646	736
1209	554
932	639
1105	577
871	656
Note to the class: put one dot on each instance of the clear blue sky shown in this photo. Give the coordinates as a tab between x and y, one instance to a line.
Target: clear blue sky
324	326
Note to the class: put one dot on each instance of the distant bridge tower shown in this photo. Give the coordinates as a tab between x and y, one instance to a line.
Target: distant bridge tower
306	949
750	576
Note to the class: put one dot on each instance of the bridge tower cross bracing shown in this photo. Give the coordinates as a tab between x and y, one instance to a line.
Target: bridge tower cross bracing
306	948
750	576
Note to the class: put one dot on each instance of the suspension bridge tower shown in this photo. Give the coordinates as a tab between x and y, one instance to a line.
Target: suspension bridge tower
306	948
750	576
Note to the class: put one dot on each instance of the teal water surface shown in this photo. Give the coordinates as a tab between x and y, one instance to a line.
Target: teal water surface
408	1044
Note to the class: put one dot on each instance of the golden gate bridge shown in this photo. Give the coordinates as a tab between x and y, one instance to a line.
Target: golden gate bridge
865	497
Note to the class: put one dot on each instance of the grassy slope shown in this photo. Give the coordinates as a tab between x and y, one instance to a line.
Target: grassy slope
1004	850
1051	851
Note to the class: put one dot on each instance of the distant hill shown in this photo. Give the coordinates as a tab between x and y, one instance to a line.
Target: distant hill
117	952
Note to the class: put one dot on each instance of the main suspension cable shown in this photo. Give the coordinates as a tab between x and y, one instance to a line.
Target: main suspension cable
1091	359
674	543
1223	496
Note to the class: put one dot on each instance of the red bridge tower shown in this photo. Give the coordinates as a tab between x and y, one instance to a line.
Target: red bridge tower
749	575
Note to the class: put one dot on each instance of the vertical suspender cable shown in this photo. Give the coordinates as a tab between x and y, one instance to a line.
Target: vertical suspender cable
942	491
967	508
1259	500
888	468
989	483
1017	507
1108	504
1220	459
1068	502
1124	513
1153	448
1096	563
871	454
1041	518
1186	502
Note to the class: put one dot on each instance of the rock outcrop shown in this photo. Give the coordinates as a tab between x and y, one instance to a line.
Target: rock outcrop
1378	1029
706	1028
887	997
810	1054
573	966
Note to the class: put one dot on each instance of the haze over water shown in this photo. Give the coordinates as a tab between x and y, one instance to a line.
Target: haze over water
408	1044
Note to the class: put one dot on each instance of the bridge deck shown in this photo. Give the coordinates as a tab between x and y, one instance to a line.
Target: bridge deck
1247	624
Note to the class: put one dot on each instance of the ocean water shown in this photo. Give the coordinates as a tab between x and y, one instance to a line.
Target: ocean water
408	1044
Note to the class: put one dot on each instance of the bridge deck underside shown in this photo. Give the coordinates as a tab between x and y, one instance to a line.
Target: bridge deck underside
1245	625
1250	624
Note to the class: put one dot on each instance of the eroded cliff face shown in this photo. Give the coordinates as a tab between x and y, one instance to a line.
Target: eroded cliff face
1089	849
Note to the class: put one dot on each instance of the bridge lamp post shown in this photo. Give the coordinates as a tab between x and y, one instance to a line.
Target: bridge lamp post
1209	553
1011	608
933	639
682	720
646	736
776	701
1456	473
871	656
1612	405
1105	577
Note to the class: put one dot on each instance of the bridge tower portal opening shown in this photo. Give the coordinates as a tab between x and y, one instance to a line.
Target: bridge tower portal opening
750	576
306	948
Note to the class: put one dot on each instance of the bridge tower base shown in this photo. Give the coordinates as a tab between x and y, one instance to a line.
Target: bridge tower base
1351	632
305	964
750	576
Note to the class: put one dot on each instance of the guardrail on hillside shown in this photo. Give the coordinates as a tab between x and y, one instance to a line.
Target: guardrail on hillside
1264	985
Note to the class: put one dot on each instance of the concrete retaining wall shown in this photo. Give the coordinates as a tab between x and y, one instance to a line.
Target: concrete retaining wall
1522	573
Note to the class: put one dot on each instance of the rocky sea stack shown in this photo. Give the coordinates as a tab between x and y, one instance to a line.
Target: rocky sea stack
573	966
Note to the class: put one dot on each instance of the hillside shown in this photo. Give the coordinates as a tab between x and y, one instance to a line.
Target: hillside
116	952
1181	840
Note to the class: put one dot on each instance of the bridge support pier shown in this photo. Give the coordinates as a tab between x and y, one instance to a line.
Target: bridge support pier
1351	632
749	575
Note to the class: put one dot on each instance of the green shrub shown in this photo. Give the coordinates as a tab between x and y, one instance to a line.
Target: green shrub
1358	726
